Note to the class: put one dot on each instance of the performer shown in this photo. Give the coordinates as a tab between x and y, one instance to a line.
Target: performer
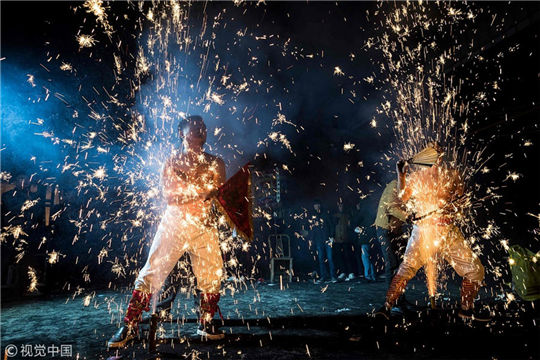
390	225
436	191
190	177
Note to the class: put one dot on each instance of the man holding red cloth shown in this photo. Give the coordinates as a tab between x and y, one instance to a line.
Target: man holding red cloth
190	178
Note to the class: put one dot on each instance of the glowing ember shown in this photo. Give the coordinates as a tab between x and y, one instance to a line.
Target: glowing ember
338	71
86	41
33	279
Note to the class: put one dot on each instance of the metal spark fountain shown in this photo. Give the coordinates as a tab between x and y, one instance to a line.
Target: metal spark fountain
419	46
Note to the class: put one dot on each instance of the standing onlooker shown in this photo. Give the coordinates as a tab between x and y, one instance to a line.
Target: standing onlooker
362	245
390	224
343	242
320	232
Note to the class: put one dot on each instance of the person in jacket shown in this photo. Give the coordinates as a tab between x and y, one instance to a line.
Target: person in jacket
320	232
344	244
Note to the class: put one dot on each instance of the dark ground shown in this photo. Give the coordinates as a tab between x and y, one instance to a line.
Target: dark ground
302	320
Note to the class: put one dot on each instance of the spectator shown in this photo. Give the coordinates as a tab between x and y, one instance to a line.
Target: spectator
343	244
390	225
321	226
362	246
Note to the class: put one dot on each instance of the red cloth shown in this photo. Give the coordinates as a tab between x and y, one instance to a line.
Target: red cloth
235	202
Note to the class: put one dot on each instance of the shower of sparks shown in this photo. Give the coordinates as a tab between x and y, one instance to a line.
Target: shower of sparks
120	153
97	8
423	98
122	134
87	300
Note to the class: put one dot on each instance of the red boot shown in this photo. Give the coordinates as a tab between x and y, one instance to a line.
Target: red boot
208	306
395	290
469	291
139	302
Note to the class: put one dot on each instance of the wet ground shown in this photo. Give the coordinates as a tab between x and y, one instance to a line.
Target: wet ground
289	321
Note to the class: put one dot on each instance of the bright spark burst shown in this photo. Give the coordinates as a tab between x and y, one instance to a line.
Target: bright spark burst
100	173
86	41
31	80
53	257
512	176
338	71
66	67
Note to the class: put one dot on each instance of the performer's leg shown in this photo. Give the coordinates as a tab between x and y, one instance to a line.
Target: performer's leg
169	292
372	271
206	260
207	264
465	262
412	261
165	251
163	255
398	244
364	250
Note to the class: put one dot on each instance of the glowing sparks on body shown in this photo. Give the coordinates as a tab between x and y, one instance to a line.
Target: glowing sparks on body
139	138
426	104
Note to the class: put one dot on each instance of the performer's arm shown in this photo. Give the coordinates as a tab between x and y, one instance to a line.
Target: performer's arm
395	210
219	178
403	191
167	181
457	201
171	185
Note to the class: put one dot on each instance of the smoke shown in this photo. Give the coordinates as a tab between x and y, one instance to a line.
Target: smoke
29	139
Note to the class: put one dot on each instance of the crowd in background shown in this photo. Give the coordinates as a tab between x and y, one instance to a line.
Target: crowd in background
346	248
42	251
341	237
